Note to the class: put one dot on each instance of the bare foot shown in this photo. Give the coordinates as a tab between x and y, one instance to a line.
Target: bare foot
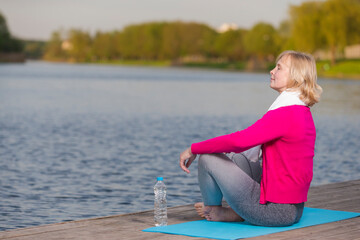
199	207
221	214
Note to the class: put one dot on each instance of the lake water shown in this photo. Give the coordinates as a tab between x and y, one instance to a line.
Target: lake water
83	141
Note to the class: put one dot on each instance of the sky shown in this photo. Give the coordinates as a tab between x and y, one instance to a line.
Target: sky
37	19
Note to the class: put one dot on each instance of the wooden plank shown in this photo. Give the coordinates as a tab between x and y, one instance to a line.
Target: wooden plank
343	196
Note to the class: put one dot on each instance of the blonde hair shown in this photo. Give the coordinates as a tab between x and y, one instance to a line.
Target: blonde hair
303	76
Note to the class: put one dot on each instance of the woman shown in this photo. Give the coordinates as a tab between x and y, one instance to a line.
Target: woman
274	194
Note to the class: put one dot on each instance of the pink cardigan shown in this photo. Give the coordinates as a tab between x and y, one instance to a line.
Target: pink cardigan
287	135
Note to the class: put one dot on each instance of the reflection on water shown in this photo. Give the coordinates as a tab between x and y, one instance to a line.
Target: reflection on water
79	141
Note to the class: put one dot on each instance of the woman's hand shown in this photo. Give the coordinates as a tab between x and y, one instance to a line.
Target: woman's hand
186	158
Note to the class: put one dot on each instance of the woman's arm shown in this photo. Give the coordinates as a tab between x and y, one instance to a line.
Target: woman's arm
274	124
271	126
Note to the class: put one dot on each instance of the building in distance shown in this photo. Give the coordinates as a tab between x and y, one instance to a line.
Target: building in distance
226	27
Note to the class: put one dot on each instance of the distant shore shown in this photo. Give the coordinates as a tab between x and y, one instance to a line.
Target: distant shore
349	69
14	57
343	69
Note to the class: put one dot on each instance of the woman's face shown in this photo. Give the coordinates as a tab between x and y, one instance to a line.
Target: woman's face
280	74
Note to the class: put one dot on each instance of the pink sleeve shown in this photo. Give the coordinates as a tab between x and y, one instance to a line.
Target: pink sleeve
271	126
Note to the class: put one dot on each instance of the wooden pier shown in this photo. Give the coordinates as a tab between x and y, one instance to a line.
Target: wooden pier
343	196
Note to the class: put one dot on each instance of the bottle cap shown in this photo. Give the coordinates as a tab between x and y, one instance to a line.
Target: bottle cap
159	178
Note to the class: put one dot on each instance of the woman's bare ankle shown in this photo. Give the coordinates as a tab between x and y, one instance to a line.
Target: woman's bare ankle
221	214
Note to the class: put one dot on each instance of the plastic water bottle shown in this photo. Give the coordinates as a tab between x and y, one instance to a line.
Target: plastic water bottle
160	210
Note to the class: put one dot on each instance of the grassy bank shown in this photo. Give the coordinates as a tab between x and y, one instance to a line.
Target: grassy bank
342	69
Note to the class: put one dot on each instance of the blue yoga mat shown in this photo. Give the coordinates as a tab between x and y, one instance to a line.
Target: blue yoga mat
235	230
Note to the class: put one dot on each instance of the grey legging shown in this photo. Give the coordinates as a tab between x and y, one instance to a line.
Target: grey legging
237	180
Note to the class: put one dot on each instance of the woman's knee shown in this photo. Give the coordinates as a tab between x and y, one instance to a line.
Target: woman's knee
204	160
209	159
243	163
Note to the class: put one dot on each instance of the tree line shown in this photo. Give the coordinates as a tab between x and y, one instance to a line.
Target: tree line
8	44
314	25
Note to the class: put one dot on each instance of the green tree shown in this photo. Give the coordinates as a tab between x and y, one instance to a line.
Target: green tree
328	25
340	24
185	39
230	45
131	42
285	40
81	46
172	42
305	30
353	21
118	47
161	40
198	39
141	41
152	40
53	48
104	46
262	41
7	42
